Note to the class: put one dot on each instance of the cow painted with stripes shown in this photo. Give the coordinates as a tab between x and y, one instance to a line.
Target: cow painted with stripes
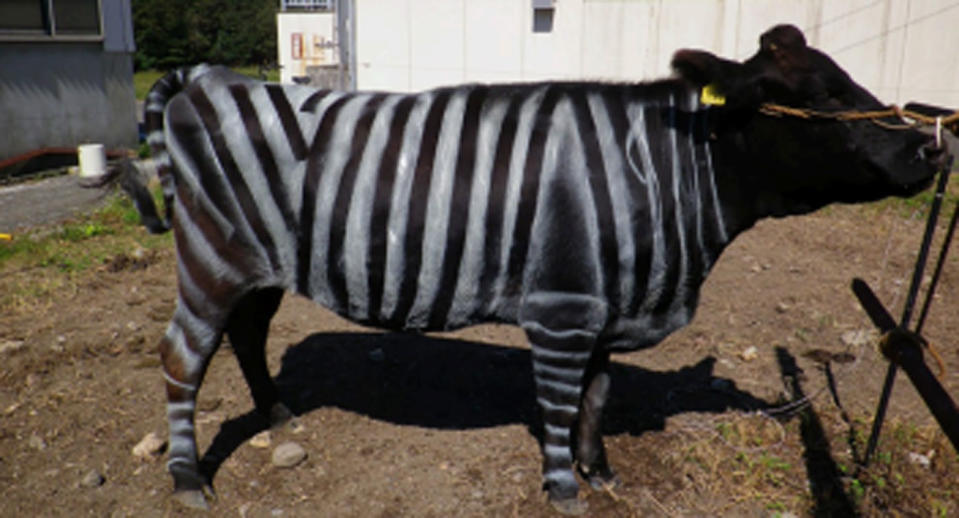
589	214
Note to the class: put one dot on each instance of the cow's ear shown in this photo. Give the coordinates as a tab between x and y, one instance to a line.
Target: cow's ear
726	81
777	71
785	52
702	68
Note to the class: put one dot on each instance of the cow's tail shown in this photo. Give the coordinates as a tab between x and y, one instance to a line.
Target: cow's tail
133	175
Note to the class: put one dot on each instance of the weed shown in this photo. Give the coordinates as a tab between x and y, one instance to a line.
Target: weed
725	430
884	457
774	463
857	490
879	481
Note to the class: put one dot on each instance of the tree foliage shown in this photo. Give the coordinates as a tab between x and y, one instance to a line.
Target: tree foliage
171	33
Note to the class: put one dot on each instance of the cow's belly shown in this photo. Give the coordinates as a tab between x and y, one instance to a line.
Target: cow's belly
644	330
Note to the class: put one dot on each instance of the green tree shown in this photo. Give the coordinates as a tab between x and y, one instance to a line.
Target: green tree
172	33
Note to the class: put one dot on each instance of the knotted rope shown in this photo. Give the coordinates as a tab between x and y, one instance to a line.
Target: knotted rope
951	121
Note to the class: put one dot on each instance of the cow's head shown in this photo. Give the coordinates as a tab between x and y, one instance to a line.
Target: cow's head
799	165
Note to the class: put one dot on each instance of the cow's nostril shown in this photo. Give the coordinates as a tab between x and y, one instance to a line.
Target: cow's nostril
931	152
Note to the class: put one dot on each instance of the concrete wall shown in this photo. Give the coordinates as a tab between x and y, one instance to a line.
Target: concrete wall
900	49
57	92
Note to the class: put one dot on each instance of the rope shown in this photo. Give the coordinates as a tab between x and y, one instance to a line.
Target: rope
874	116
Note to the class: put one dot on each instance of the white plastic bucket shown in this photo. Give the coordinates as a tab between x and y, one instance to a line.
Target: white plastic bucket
93	159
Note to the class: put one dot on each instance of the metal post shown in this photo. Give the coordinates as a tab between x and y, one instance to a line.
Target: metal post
346	42
907	311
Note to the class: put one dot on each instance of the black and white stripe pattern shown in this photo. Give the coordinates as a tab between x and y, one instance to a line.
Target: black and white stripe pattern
586	213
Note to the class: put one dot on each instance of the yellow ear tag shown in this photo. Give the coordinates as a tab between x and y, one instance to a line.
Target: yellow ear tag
711	95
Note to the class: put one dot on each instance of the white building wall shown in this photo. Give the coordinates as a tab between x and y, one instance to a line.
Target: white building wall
900	49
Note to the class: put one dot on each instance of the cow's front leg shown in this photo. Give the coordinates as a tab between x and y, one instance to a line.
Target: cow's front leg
590	453
562	329
559	362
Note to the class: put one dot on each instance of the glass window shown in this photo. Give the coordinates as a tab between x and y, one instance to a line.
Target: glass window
22	15
543	20
76	17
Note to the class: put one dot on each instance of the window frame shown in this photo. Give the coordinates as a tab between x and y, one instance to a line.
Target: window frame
49	31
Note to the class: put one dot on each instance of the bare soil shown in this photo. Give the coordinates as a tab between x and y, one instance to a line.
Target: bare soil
443	425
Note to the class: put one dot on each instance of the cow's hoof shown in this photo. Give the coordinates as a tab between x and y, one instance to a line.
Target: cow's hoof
569	506
280	415
195	498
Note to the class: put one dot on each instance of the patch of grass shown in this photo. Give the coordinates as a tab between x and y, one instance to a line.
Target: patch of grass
919	204
143	80
82	243
44	264
889	484
774	463
272	75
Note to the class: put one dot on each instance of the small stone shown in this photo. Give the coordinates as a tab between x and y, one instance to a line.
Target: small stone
36	442
261	440
749	354
8	346
920	459
92	479
288	454
132	326
857	337
476	494
782	307
209	405
150	447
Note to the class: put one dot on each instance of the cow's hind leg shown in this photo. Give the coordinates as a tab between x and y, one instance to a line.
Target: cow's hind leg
590	452
247	329
185	351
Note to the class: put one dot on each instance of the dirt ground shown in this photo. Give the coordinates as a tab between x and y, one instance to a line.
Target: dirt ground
441	425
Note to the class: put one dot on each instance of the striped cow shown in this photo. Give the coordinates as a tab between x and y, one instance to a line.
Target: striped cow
589	214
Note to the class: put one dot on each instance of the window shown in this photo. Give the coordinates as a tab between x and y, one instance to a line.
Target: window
543	15
76	16
543	20
310	5
50	17
22	15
